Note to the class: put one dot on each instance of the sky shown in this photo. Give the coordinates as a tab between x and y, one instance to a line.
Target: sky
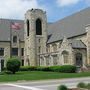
56	9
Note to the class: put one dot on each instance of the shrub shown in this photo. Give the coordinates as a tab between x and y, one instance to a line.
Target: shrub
33	68
62	87
81	85
64	68
27	68
43	69
88	86
4	69
13	65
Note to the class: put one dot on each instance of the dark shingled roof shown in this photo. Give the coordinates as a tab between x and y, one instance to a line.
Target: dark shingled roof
70	26
78	44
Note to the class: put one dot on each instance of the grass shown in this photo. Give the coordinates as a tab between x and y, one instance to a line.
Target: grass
40	75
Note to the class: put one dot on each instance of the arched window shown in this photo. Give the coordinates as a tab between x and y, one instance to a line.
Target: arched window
14	39
65	56
38	27
27	27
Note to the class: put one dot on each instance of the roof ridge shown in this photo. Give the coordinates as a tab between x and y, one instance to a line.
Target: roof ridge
75	13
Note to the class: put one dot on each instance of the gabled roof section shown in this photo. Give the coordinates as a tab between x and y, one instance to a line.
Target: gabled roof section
78	44
70	26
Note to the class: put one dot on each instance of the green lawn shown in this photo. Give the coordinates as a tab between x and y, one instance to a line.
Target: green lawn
39	75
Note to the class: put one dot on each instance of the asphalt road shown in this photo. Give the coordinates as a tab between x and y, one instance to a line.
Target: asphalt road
43	85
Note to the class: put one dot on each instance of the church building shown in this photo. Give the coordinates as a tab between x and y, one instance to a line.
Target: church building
39	43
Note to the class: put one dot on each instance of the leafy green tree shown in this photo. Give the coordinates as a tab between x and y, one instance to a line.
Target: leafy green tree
13	65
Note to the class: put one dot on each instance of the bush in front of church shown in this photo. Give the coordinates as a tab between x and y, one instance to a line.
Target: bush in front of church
64	68
27	68
13	65
43	68
62	87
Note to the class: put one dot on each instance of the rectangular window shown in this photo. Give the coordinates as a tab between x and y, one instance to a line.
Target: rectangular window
22	51
15	51
1	51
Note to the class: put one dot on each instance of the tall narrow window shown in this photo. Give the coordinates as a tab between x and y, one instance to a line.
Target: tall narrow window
1	51
27	27
2	64
22	62
39	49
14	39
38	27
22	51
65	56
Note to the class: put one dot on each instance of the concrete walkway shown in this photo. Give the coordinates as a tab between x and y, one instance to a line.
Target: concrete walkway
43	85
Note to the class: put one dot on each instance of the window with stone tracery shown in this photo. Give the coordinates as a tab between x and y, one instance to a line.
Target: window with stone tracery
65	56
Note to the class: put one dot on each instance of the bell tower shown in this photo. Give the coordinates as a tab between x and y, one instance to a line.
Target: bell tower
35	36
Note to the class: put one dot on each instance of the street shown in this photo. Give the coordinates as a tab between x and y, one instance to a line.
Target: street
43	85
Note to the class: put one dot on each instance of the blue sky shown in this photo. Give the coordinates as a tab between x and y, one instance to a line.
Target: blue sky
56	9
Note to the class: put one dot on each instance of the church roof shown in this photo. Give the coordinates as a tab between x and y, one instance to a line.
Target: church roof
78	44
70	26
6	29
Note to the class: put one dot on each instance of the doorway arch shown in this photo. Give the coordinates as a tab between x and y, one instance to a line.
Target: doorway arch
79	60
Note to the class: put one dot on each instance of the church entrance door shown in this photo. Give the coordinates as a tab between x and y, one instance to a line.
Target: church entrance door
79	61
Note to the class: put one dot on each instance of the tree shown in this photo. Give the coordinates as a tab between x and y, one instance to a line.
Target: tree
13	65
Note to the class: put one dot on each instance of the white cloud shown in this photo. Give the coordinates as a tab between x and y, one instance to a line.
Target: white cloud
63	3
16	8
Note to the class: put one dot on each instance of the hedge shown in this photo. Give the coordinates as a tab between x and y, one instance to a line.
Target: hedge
43	68
27	68
63	69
